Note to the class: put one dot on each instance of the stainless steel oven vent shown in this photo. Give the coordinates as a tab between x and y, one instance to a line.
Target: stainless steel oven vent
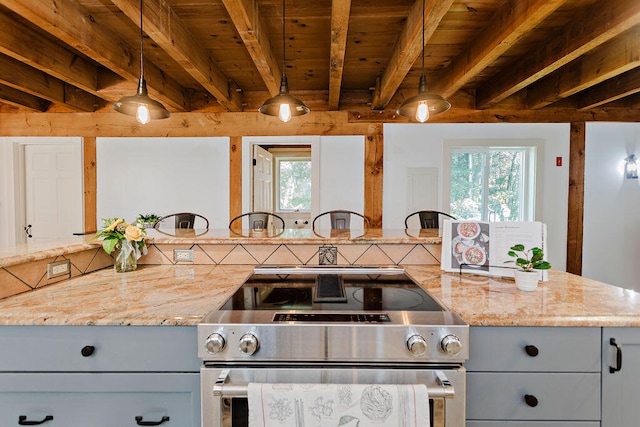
329	288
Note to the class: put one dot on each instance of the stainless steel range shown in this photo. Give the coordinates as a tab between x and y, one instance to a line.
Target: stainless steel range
331	325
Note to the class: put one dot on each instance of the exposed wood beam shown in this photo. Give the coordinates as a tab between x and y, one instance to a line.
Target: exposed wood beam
576	198
73	25
409	47
20	42
252	30
167	30
17	98
373	176
595	26
90	185
340	12
515	19
235	179
605	62
611	90
27	79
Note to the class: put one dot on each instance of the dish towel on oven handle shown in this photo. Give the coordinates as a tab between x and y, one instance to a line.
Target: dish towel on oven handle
338	405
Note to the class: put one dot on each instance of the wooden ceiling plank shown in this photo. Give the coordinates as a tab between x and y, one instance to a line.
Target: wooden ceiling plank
514	20
595	26
253	32
625	85
605	62
26	45
21	99
340	13
37	83
168	31
73	25
409	47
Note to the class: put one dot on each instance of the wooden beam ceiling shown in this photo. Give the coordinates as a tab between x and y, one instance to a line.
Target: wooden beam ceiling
340	12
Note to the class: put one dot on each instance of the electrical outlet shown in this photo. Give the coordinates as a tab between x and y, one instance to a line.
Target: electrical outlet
183	255
58	268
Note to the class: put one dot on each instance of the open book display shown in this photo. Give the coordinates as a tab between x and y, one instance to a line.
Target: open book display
482	247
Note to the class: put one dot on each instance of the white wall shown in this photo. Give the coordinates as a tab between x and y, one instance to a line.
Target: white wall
611	206
421	145
7	211
163	176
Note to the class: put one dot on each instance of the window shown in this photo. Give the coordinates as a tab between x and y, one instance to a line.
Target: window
492	183
293	184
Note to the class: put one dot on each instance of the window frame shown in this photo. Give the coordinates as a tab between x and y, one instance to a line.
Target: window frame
533	165
288	155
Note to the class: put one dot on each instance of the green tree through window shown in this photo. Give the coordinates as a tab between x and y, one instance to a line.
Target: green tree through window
294	184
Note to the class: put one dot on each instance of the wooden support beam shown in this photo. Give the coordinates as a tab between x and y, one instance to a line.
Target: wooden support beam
514	20
605	62
252	30
373	175
235	179
167	30
593	27
73	25
17	98
625	85
340	12
576	198
37	83
90	184
409	47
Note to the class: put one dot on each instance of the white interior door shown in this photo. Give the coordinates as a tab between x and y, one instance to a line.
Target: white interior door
53	190
262	179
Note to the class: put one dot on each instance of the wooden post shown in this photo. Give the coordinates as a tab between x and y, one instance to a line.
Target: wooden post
576	198
373	173
89	184
235	179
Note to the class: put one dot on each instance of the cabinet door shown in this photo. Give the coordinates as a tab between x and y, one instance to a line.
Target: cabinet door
100	400
621	388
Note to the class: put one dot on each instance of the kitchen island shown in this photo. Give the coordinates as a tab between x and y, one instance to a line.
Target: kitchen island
138	330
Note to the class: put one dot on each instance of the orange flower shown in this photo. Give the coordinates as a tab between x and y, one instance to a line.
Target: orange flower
133	233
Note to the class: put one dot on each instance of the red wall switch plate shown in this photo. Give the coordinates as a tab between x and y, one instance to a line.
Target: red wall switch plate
558	161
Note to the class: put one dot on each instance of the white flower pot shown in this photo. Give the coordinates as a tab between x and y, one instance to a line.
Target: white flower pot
526	280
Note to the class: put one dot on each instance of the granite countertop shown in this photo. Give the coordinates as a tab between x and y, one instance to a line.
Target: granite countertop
182	295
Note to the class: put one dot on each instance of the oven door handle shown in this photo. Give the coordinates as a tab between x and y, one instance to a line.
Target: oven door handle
222	388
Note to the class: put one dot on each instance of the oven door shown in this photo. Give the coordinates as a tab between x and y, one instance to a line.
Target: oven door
224	388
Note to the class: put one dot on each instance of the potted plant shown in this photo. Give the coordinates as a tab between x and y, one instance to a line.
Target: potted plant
147	221
527	261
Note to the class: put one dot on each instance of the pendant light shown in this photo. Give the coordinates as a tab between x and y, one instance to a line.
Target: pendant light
284	105
424	104
143	108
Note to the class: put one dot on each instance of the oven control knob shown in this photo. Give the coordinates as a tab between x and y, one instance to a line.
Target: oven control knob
214	343
417	345
248	344
451	345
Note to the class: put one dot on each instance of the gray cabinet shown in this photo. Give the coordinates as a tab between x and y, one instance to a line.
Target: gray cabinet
620	383
533	376
99	376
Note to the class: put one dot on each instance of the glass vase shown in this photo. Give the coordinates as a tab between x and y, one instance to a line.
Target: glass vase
124	258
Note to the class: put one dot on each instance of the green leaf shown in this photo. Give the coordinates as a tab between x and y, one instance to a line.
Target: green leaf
518	248
544	265
513	254
109	245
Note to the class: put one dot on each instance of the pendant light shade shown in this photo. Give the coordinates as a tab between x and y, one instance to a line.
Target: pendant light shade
283	105
424	105
140	106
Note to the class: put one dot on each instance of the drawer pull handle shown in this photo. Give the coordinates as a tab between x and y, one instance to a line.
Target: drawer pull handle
614	369
87	350
150	423
22	420
531	350
531	400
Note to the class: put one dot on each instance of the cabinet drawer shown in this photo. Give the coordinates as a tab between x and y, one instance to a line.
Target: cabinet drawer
533	424
498	349
100	400
560	396
115	348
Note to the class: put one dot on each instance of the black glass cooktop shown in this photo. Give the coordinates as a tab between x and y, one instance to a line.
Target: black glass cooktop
333	291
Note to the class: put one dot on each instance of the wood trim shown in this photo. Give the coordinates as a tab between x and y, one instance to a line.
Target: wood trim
235	179
89	183
373	174
575	220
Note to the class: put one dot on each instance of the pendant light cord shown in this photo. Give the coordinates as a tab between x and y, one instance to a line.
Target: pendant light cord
284	43
423	1
141	45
